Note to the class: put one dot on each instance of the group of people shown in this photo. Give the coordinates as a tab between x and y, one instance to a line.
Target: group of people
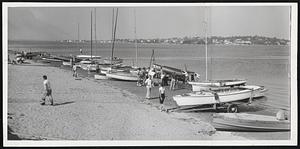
143	74
149	84
19	58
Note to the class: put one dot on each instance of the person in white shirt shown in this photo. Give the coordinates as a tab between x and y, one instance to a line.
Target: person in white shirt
74	71
151	73
161	96
172	83
148	83
47	91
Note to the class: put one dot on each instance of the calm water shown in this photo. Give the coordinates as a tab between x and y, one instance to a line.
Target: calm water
261	65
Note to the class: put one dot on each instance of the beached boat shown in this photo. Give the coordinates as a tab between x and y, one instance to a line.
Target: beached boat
249	122
115	60
213	97
66	63
100	77
197	86
52	61
124	76
88	65
258	91
82	57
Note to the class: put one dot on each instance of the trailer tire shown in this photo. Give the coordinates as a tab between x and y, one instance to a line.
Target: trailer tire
232	108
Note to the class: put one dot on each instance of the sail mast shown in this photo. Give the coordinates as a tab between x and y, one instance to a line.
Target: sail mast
91	35
114	37
78	32
136	47
95	28
205	23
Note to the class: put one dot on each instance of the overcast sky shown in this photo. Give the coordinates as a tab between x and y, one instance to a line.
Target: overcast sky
50	23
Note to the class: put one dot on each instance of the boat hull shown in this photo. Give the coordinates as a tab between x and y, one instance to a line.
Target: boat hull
249	122
258	91
115	61
100	77
205	98
122	76
198	86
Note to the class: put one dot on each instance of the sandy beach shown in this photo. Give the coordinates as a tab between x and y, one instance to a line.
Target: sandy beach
91	110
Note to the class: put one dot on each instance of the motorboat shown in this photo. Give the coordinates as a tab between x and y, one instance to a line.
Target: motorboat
249	122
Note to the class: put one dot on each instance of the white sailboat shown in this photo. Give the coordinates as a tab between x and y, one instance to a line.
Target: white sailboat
124	74
88	62
224	91
203	85
212	97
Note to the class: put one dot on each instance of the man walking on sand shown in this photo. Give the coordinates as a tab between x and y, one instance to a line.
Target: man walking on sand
47	91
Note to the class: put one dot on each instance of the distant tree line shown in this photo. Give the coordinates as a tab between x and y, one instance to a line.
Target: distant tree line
233	40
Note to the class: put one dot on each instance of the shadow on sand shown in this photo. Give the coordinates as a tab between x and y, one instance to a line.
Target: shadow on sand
11	136
63	103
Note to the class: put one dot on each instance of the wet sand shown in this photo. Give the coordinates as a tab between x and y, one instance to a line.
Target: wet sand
86	109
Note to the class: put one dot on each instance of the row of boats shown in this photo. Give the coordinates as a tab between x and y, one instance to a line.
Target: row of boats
213	94
203	92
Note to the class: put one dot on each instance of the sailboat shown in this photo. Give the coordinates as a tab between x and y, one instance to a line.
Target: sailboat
215	92
121	73
88	62
197	85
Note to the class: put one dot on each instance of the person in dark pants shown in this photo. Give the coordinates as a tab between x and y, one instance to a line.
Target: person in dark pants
47	91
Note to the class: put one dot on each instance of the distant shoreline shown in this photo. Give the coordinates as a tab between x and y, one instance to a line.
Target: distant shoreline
213	40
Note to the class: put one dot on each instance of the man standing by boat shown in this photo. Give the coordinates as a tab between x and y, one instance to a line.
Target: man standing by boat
47	91
148	83
172	83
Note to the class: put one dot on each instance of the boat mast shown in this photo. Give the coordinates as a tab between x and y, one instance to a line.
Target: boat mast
205	52
78	36
91	35
205	26
114	37
95	29
136	47
78	32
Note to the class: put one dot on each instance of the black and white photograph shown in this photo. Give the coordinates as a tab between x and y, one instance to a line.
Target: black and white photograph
149	74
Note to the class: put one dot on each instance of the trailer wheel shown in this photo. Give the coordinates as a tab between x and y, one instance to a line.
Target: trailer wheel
232	108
